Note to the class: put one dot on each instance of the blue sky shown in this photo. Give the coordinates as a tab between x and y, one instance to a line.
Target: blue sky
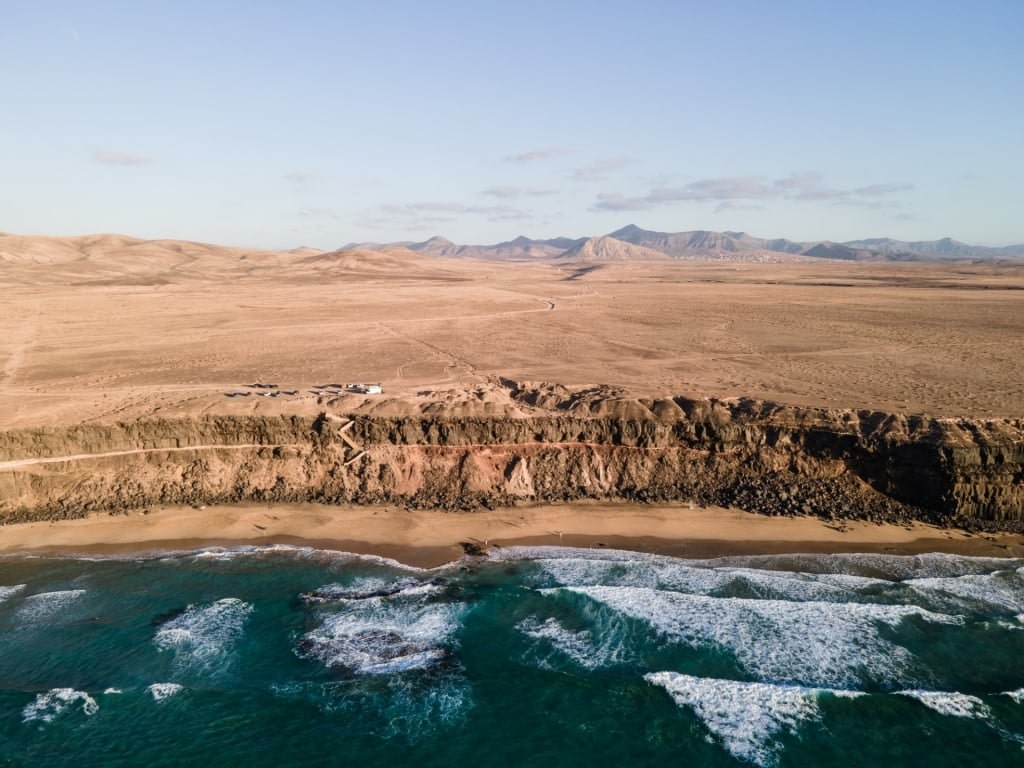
278	124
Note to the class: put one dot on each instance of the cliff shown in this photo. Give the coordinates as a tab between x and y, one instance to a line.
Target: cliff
754	455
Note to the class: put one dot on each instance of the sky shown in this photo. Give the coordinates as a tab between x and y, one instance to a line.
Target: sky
272	124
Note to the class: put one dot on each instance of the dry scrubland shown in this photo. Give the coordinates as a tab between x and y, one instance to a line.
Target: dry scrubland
109	329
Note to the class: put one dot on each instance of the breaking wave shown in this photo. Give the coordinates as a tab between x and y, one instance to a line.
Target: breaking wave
202	638
161	691
383	634
745	717
50	705
807	643
951	703
43	607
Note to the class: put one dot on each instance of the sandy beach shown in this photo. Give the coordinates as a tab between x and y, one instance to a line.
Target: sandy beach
431	538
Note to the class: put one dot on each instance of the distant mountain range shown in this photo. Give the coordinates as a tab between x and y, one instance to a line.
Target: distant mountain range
631	243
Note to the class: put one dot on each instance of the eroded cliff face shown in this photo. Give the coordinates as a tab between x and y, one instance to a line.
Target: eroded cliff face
754	455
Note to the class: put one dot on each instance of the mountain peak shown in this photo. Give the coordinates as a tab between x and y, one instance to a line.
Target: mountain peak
608	248
630	230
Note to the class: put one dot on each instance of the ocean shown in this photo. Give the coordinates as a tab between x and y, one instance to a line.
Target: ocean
281	656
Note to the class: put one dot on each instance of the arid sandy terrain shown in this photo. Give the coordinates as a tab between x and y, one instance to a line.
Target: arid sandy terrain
109	328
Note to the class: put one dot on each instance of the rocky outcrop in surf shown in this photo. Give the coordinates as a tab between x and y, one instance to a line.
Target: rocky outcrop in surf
759	456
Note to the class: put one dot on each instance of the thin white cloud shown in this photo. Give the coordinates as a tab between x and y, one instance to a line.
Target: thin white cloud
613	201
724	188
532	155
599	169
422	214
799	181
503	192
731	192
319	213
301	177
118	158
883	189
732	205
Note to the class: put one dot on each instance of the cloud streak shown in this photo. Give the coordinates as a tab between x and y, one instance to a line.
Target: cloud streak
429	213
511	193
874	190
301	177
748	192
533	155
599	169
119	158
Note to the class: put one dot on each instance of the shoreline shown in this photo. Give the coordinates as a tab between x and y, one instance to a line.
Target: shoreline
431	538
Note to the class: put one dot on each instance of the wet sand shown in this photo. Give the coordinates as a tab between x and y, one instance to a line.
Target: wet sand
431	538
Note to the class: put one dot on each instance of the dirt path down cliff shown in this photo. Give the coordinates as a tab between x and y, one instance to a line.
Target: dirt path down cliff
7	466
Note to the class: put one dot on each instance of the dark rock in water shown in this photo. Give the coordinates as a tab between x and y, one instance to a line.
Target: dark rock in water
473	548
370	651
160	619
335	592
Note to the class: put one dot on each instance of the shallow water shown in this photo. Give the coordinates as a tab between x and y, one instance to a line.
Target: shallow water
290	656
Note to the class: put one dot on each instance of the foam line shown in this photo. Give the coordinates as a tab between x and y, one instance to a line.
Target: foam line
203	637
745	717
834	645
9	592
43	606
161	691
950	703
55	702
387	634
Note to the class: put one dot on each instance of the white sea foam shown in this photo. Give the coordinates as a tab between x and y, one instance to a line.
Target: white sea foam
574	553
387	634
161	691
641	571
874	566
745	717
411	707
860	578
822	587
1017	696
8	592
365	587
306	553
112	691
888	567
55	702
675	575
1013	626
578	646
45	606
1001	591
398	705
203	637
812	643
951	703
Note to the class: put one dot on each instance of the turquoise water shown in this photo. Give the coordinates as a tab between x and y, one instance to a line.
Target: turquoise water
283	656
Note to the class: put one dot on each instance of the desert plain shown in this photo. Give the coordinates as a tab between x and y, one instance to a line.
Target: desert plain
106	329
